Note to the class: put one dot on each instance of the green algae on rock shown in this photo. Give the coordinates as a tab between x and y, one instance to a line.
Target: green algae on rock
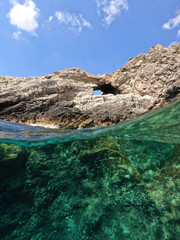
102	187
80	190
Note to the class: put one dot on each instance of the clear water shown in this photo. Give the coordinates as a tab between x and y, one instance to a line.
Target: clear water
115	183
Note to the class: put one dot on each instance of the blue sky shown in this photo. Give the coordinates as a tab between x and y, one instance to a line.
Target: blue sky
38	37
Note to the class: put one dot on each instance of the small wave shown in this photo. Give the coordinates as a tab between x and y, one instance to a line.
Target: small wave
161	125
44	125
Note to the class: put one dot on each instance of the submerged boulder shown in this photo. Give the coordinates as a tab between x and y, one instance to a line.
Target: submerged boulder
102	188
65	99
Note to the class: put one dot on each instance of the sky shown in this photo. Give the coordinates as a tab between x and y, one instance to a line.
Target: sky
38	37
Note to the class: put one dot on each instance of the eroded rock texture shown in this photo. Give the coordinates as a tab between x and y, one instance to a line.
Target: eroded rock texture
146	82
104	188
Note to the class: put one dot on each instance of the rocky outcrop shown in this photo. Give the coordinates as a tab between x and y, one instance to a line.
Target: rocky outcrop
156	74
146	82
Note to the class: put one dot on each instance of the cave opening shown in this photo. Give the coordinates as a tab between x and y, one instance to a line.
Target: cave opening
97	92
105	89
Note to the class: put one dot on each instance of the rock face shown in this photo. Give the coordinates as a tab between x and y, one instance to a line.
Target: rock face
146	82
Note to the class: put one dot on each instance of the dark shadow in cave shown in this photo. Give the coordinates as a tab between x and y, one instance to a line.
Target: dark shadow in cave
106	89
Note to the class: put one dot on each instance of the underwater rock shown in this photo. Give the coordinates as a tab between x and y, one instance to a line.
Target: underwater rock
91	189
65	99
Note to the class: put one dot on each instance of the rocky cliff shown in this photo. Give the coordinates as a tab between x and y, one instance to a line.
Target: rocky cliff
147	82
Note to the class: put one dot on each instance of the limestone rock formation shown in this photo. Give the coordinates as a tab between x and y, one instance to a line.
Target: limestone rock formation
146	82
156	74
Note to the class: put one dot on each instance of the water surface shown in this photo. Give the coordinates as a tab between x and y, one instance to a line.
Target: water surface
114	183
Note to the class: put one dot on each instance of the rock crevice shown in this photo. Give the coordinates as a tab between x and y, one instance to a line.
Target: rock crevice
146	82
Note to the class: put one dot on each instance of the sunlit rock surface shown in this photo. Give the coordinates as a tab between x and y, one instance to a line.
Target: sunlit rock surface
65	99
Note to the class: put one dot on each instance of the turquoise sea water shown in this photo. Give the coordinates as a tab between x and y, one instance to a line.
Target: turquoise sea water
114	183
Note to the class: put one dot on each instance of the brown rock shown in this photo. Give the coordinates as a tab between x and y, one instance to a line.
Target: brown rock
156	74
146	82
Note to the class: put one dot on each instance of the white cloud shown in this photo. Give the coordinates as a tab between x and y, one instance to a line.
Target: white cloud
172	43
24	16
50	19
173	23
178	33
111	9
17	35
75	22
